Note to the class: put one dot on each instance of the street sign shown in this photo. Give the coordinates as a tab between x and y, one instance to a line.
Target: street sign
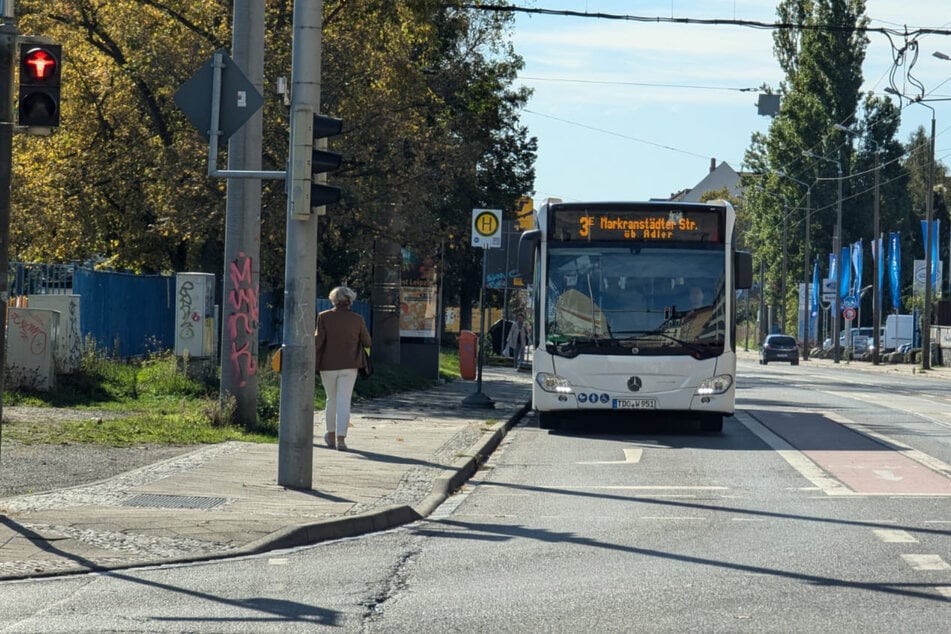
850	301
828	291
848	314
487	228
239	98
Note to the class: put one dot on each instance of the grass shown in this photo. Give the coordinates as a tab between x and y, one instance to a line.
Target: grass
164	400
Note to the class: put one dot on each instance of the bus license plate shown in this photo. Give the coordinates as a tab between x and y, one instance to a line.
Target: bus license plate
634	403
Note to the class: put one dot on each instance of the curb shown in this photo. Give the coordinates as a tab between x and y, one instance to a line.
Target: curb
388	517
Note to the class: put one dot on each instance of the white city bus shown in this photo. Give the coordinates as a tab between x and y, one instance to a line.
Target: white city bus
635	308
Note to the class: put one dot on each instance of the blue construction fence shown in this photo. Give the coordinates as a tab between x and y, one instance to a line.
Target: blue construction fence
130	315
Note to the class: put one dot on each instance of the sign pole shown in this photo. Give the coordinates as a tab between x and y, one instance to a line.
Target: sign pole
477	398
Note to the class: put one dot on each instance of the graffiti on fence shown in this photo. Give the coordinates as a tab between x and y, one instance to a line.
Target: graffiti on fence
242	318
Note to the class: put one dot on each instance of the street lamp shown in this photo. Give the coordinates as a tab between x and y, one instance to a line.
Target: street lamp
805	267
837	249
929	212
876	291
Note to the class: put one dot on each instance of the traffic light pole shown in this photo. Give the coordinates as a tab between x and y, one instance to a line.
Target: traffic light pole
296	431
8	42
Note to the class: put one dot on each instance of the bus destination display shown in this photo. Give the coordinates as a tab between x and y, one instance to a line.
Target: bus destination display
640	225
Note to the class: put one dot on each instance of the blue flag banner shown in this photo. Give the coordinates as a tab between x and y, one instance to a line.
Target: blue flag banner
814	299
857	259
894	268
935	230
832	269
845	273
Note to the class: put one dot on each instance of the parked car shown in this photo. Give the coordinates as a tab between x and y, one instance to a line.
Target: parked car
779	348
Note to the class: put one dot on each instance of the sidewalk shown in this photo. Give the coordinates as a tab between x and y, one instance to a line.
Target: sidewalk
407	454
906	369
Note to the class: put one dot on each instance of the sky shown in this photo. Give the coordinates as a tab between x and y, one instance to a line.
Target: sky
627	110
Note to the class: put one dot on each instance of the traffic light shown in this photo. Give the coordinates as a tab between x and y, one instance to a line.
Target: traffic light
323	161
40	73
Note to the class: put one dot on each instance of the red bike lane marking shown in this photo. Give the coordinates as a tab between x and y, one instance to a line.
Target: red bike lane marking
861	463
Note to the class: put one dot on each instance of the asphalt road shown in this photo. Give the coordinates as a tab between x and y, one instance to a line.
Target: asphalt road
823	507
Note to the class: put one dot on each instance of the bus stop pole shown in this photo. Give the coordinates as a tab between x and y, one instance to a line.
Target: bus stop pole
477	398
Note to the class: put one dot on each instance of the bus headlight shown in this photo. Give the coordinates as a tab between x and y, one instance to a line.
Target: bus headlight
715	384
553	383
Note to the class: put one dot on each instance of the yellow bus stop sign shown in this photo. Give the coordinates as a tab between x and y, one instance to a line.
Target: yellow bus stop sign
487	228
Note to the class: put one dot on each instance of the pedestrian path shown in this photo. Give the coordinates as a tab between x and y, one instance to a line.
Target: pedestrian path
406	454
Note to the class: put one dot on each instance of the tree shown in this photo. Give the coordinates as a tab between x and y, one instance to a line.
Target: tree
822	60
425	89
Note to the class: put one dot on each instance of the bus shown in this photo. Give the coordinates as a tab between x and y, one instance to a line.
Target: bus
634	308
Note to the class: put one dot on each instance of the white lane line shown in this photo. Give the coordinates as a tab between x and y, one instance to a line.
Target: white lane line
278	561
626	487
632	455
926	562
796	459
671	517
944	591
895	536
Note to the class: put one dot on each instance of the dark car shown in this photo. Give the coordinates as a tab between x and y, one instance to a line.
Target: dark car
779	348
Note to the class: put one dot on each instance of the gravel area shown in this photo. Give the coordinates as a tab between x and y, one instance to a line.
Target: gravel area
36	468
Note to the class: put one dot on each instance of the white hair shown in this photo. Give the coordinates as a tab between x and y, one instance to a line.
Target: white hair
342	296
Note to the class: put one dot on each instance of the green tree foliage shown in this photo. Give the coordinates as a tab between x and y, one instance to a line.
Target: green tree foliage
425	90
822	61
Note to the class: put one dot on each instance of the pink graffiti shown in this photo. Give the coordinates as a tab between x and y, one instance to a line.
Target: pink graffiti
30	332
242	319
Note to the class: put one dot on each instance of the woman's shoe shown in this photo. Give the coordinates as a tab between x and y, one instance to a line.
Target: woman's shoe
329	439
341	444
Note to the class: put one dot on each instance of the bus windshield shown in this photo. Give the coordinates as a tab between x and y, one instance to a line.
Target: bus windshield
646	299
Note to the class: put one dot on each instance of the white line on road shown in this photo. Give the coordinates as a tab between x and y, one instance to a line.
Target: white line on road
926	562
625	487
809	469
631	456
895	536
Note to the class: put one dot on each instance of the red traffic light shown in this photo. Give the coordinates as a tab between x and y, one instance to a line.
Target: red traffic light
40	64
40	75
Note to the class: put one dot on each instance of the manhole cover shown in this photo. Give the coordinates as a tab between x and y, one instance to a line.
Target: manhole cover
174	501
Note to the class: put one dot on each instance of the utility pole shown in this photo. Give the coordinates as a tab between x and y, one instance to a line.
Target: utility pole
241	277
296	434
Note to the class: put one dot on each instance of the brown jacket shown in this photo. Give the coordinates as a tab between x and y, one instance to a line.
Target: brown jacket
341	336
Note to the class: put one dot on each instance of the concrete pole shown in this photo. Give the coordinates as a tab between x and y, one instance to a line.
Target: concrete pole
807	276
876	291
837	248
929	238
296	436
241	277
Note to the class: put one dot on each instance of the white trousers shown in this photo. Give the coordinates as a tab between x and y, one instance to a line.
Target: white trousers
338	384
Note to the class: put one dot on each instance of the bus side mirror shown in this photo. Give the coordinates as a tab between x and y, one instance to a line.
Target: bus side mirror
743	269
526	253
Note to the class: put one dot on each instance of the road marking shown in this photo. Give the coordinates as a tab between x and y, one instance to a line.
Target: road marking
675	518
895	536
796	459
631	456
885	474
278	561
944	591
926	562
625	487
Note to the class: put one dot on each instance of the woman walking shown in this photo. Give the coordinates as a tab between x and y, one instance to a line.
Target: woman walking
341	337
